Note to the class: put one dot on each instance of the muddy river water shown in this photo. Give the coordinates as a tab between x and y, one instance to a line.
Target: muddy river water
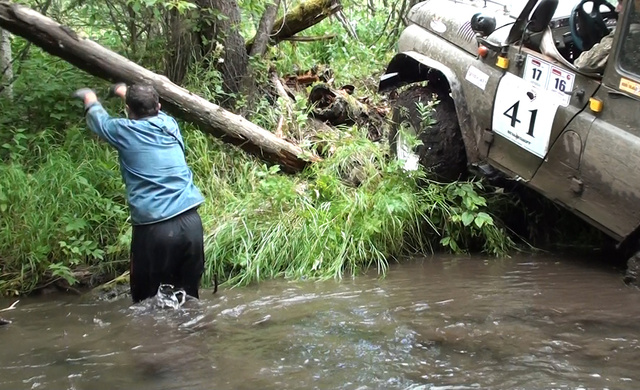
527	322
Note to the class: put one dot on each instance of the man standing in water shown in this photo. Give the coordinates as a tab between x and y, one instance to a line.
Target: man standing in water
167	245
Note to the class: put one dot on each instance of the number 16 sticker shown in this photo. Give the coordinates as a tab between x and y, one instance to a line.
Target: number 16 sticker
524	114
561	82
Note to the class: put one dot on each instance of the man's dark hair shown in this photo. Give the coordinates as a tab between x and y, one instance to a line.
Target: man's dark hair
142	100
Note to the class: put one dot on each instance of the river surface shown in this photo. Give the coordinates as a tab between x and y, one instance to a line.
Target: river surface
527	322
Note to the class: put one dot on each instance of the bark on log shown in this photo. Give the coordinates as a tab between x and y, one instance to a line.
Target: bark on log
339	106
89	56
287	117
299	18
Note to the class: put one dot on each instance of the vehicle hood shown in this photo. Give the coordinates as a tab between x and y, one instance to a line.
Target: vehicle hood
451	19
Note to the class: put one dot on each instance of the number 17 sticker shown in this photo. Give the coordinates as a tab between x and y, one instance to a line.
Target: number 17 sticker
524	114
545	75
537	72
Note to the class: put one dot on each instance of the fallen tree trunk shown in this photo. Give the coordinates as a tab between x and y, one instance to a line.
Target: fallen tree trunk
7	322
300	18
340	107
287	117
89	56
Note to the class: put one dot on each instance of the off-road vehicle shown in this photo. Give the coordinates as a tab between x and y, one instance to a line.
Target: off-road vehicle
512	101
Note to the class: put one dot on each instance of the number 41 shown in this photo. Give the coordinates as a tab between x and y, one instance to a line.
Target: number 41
514	117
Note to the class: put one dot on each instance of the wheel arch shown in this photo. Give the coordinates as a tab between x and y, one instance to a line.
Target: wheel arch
411	67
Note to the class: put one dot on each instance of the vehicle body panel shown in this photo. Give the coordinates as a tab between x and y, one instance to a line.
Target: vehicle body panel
455	27
508	155
611	160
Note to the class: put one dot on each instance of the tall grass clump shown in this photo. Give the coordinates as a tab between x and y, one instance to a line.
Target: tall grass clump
62	216
351	212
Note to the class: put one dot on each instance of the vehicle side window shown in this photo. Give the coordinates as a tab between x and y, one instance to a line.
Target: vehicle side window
630	53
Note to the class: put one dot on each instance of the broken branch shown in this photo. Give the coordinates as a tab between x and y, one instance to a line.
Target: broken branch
13	306
311	38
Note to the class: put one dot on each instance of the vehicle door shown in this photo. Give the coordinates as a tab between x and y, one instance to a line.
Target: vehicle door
535	101
610	166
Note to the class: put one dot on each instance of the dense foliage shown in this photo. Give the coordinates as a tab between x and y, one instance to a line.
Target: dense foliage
64	216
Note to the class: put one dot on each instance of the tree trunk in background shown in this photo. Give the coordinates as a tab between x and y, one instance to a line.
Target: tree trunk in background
181	46
235	60
264	29
6	68
89	56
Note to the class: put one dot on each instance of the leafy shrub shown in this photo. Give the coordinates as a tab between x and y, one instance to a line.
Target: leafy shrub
64	213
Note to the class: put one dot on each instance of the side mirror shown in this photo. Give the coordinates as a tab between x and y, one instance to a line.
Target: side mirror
483	24
542	16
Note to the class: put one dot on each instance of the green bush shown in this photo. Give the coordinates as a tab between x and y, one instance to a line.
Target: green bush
262	224
65	213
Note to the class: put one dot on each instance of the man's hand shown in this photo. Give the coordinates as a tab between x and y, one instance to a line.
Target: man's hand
86	95
118	89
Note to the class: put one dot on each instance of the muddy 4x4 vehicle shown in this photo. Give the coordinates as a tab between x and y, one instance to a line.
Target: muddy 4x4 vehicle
512	101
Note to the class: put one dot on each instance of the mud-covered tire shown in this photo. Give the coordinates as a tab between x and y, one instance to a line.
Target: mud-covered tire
442	152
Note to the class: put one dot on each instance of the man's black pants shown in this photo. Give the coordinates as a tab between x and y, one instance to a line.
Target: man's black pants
170	252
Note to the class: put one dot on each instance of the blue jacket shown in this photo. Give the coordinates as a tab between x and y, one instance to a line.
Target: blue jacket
152	163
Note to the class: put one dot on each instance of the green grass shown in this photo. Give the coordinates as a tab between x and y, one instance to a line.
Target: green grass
64	216
262	224
69	213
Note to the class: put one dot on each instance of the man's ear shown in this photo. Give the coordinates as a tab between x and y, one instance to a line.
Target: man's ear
159	105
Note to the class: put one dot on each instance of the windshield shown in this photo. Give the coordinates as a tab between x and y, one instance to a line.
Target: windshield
629	55
563	10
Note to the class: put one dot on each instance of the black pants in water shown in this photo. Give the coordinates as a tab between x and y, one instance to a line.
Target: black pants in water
171	252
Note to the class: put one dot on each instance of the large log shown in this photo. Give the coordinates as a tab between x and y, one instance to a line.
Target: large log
93	58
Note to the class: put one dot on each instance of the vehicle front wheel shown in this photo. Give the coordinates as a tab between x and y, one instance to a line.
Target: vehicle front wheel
428	115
